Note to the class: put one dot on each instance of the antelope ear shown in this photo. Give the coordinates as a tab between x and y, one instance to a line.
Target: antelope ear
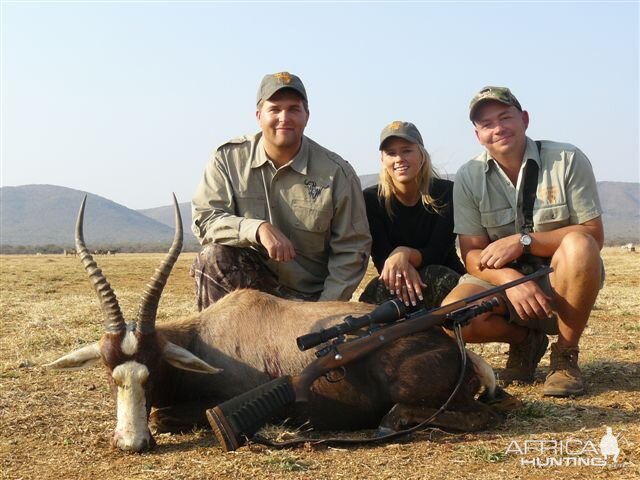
81	358
185	360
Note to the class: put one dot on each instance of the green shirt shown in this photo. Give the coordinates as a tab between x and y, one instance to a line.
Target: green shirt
486	202
315	200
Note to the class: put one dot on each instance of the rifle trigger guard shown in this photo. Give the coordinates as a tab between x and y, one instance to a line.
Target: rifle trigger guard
336	375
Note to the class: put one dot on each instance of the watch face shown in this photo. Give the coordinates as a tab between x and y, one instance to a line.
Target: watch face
525	240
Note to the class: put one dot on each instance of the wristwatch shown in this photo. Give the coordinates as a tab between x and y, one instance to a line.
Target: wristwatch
525	241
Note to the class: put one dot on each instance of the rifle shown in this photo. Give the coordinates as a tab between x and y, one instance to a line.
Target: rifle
239	418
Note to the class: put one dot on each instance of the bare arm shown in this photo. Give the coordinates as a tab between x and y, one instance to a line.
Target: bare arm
505	250
528	299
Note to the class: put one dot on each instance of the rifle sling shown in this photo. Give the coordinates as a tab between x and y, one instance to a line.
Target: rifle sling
529	191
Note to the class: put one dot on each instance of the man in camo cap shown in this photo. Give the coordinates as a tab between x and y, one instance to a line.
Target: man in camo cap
277	212
501	240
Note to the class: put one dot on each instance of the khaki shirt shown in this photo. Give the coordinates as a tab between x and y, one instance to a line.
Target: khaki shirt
315	200
486	202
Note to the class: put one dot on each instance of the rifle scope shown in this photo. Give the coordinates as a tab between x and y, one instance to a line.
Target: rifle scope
387	312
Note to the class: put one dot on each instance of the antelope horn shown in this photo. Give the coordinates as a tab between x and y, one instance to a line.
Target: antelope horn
151	297
113	319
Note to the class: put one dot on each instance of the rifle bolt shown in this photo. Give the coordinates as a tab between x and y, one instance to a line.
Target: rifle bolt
381	338
338	356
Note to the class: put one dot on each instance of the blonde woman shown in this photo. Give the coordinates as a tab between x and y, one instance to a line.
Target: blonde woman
410	215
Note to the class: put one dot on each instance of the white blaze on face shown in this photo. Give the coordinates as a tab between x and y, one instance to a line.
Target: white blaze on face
132	432
129	344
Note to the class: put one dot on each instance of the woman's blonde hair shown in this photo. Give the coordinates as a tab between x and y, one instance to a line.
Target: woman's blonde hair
423	179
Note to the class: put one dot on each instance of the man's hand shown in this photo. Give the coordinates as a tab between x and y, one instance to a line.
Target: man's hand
401	277
530	301
278	246
501	252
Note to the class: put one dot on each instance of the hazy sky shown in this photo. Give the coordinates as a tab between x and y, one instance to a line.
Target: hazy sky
128	100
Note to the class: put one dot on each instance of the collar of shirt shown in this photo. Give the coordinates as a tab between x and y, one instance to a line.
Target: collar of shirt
298	163
530	153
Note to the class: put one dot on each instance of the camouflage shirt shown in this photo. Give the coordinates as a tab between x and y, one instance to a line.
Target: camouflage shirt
486	202
315	200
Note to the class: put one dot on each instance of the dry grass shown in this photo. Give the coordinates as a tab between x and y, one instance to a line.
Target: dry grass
56	425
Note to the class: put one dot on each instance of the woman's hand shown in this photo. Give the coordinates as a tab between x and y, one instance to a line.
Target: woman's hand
401	277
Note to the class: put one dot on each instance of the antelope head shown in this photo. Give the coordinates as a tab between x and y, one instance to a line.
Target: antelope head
132	353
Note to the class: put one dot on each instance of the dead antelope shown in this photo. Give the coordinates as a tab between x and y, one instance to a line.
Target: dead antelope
184	366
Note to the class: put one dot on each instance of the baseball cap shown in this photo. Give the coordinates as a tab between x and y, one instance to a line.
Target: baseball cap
273	82
498	94
406	130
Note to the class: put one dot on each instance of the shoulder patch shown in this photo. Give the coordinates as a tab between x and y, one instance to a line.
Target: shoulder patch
334	156
234	141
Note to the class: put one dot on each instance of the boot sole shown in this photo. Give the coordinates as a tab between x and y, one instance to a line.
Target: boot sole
549	392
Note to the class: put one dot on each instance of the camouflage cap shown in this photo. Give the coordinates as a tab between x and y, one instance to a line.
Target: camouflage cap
273	82
406	130
498	94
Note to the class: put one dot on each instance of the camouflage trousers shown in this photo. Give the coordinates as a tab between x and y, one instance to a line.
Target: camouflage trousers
440	281
220	269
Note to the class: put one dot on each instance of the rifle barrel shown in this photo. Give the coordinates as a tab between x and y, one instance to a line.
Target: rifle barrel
392	310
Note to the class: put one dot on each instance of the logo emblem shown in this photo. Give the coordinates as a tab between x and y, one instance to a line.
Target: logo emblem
395	125
568	452
551	193
485	93
313	189
284	77
609	445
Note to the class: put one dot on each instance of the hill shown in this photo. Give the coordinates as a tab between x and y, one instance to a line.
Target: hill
41	215
368	180
164	215
621	207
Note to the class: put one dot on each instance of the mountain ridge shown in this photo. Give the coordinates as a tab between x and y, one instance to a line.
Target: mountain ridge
40	215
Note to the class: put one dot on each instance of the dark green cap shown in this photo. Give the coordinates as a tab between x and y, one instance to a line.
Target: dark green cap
498	94
273	82
406	130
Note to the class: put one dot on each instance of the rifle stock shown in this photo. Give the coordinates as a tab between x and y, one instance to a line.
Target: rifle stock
238	419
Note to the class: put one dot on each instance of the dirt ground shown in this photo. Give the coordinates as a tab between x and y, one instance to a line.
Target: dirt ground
56	425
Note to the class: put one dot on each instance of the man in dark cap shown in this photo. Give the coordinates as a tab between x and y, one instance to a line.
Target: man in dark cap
519	205
277	212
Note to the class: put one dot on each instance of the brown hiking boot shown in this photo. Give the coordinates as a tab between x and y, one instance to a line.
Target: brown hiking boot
524	358
564	377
